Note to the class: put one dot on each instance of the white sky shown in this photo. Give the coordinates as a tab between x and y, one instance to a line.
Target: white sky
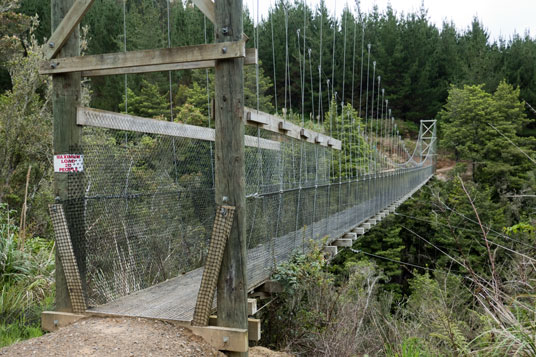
500	17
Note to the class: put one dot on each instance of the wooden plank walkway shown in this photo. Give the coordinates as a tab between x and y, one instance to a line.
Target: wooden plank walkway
173	299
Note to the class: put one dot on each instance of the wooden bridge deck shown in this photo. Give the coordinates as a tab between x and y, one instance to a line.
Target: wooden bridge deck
173	299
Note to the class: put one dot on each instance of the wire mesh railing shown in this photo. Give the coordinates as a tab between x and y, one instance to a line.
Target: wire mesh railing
142	210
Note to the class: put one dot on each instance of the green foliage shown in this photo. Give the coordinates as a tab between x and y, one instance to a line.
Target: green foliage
417	61
39	9
411	347
12	333
522	227
315	314
12	28
466	124
434	305
26	136
26	281
302	267
149	103
251	96
386	241
442	214
348	127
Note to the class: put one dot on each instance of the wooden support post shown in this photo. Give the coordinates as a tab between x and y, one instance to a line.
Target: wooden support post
230	168
342	242
252	307
65	97
330	250
359	230
351	235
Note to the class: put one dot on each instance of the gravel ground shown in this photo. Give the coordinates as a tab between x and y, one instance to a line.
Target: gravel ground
114	337
118	337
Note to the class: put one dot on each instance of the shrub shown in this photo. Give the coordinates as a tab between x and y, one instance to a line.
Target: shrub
315	317
26	280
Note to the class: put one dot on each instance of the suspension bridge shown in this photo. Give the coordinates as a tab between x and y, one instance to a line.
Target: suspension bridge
172	221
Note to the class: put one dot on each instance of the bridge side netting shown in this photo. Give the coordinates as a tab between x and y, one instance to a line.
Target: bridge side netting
142	210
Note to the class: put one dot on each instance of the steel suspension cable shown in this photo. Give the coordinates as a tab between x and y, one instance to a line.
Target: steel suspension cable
125	50
312	88
320	107
273	55
333	59
353	63
286	61
169	72
344	56
256	40
303	76
209	108
372	151
362	62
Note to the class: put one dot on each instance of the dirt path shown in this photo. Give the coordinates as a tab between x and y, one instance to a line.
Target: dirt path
444	165
442	173
118	337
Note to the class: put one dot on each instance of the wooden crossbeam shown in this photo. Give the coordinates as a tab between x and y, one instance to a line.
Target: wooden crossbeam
118	121
342	242
53	320
223	338
251	58
66	27
254	327
214	51
278	125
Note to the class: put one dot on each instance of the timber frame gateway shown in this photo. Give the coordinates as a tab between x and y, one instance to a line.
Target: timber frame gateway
179	222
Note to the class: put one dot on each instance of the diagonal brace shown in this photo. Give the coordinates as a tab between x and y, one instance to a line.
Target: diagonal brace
65	251
66	27
220	234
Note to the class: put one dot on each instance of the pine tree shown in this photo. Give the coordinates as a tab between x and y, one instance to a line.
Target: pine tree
468	121
149	103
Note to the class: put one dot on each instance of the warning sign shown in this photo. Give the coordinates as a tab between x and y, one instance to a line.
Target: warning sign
68	163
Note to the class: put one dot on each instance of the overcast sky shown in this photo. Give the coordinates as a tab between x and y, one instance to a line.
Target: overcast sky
500	17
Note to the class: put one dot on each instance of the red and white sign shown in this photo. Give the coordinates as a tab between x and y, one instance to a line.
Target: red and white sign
68	163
